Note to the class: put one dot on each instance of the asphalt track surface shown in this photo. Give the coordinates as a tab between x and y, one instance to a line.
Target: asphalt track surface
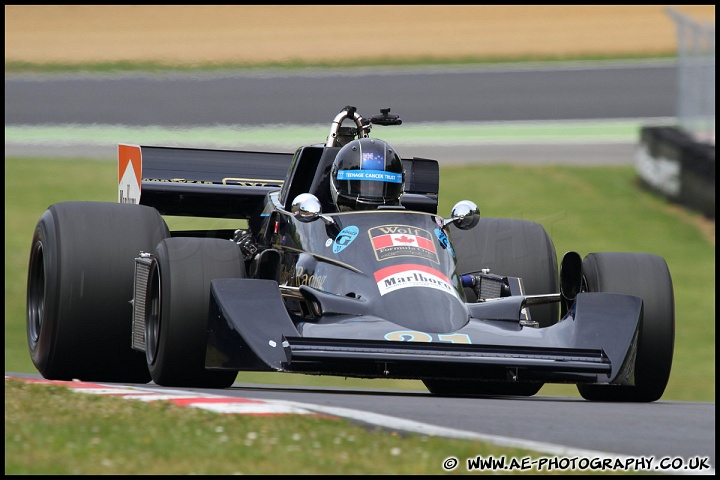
70	109
678	436
74	115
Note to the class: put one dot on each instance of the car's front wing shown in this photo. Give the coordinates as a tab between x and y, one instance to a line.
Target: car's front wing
250	329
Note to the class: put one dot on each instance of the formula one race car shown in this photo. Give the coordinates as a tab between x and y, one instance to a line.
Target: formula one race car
345	268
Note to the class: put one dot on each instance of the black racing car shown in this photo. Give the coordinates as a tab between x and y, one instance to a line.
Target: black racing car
468	305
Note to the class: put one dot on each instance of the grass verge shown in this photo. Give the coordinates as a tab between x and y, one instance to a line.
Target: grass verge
25	67
69	433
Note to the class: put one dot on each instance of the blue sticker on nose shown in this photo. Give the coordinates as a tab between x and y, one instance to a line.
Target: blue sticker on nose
345	238
444	241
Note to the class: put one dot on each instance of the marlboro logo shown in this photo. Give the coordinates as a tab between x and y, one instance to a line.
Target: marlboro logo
397	277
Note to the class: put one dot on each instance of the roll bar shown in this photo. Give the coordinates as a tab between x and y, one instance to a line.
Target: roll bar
340	136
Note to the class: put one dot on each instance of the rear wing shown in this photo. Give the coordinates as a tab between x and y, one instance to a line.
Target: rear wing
199	182
234	184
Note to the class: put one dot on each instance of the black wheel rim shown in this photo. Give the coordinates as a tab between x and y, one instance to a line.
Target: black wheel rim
35	294
152	315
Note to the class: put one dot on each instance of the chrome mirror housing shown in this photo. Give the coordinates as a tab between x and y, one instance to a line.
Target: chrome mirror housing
306	207
465	215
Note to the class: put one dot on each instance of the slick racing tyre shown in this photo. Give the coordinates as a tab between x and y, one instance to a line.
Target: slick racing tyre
511	247
646	276
79	288
178	302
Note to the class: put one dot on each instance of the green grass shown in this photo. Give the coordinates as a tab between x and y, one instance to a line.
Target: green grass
50	430
18	67
586	209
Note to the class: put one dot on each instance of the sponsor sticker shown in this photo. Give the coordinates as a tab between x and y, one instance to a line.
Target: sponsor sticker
252	182
397	277
129	173
295	276
444	241
372	160
372	175
345	238
391	241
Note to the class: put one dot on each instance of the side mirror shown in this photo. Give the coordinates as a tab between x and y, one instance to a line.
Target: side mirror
465	215
306	207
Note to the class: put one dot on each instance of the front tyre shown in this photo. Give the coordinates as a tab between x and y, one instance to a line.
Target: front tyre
646	276
178	307
79	288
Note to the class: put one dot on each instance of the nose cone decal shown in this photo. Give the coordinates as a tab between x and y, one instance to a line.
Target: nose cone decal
345	238
391	241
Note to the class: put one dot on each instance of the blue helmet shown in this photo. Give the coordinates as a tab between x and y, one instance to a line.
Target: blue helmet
366	173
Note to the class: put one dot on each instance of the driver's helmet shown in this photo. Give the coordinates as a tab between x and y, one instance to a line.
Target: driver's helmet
366	173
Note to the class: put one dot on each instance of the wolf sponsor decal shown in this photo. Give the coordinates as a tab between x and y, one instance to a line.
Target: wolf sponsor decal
396	277
402	240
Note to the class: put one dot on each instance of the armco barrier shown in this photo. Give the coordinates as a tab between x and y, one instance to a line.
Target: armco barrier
673	164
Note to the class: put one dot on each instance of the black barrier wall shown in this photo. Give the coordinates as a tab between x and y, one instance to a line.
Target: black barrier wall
673	164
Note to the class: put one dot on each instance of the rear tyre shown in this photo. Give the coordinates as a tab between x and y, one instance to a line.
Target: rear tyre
79	288
178	306
511	247
646	276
